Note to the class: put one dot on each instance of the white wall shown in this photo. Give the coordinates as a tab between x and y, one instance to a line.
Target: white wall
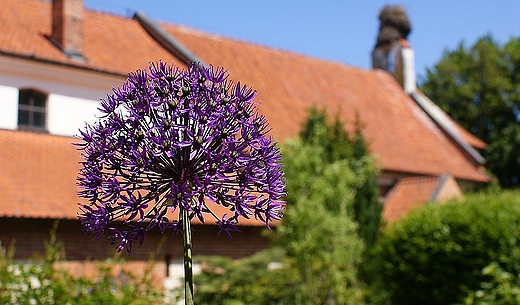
73	93
66	114
8	107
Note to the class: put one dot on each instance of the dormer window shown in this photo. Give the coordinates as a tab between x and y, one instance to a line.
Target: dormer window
32	110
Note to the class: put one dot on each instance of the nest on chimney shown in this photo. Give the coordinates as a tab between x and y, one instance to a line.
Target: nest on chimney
394	24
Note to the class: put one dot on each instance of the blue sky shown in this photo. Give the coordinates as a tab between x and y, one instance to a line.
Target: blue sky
338	30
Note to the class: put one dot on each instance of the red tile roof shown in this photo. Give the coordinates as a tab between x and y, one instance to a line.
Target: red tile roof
413	192
38	177
112	43
403	137
400	133
408	194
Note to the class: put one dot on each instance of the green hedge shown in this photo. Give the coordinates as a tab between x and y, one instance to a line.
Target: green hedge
436	254
248	281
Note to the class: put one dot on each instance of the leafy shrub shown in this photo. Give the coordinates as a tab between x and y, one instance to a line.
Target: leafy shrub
436	253
502	289
40	281
248	281
29	284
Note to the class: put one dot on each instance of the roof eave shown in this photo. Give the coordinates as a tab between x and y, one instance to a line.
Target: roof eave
61	63
435	114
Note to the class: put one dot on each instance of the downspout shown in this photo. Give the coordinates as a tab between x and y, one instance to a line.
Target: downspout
167	41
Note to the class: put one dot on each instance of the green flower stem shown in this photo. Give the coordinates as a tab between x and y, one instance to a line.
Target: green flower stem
188	262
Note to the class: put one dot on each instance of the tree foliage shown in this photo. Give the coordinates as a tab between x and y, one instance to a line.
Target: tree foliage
333	208
318	232
323	233
479	86
436	254
335	145
503	288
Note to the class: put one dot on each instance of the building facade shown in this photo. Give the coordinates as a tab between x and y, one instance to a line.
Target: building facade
57	59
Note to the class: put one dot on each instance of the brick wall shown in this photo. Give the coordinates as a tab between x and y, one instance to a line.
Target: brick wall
29	236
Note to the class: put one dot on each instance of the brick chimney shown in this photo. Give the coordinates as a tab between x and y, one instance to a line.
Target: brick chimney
393	52
67	27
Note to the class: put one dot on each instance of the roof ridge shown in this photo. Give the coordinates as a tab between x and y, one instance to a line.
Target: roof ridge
217	36
166	40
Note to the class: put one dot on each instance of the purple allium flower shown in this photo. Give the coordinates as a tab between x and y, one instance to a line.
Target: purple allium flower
173	139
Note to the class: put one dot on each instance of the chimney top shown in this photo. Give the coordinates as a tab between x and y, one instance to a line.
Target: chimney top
67	27
392	51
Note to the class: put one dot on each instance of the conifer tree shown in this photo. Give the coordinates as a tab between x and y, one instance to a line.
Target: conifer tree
339	145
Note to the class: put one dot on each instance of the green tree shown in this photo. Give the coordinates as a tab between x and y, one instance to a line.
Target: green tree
479	86
317	232
333	208
337	145
327	174
367	206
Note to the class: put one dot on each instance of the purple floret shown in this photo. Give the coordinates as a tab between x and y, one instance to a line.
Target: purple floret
171	138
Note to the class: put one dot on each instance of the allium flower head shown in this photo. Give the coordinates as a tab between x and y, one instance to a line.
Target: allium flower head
173	139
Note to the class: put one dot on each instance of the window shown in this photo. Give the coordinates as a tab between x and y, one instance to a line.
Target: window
32	111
